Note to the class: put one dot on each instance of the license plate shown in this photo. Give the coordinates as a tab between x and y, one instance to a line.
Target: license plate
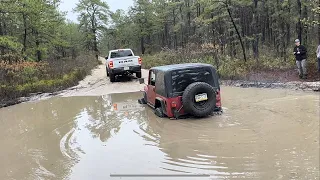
125	106
126	68
201	97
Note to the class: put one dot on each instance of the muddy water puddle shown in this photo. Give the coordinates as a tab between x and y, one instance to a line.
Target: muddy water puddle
263	134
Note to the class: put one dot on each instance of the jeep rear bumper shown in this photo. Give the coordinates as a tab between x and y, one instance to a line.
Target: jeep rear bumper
132	69
177	115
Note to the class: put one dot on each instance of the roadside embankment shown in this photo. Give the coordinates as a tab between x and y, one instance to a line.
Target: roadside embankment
25	78
294	85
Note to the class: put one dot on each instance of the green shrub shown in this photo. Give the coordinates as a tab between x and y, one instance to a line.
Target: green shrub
23	78
227	67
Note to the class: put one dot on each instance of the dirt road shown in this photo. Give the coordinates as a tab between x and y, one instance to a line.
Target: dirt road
98	84
263	134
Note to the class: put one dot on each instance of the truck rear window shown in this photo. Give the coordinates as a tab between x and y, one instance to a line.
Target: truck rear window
183	78
121	53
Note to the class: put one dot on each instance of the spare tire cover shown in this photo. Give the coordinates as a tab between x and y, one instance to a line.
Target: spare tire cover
203	108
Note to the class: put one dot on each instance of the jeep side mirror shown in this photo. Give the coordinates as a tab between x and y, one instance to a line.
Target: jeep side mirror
141	80
106	57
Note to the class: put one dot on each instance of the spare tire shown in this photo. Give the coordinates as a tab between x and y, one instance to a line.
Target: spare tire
202	108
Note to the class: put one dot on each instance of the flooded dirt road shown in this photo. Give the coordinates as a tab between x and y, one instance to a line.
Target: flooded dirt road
263	134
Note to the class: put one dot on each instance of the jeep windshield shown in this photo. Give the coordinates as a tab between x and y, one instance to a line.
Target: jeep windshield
183	78
121	53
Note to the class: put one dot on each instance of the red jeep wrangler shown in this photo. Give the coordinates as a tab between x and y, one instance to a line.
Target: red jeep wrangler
182	89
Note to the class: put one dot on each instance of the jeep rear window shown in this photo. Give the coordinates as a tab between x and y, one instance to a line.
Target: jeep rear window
121	53
183	78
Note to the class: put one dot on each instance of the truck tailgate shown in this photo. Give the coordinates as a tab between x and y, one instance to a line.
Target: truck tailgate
126	61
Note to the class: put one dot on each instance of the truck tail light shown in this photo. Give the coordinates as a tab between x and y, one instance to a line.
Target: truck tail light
173	104
140	60
115	107
110	64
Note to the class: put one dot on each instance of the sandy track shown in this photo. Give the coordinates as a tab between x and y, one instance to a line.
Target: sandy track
98	84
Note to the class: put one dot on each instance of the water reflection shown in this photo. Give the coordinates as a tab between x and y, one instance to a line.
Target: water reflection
31	134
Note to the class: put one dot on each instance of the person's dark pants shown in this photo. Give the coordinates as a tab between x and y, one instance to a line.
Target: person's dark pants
302	68
318	64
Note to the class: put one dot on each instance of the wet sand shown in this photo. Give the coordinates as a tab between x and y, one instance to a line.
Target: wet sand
262	134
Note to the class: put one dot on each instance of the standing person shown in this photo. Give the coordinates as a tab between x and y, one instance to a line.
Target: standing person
318	56
301	59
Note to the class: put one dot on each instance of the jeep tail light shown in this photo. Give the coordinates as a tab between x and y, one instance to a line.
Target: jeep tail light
218	98
110	64
173	104
140	60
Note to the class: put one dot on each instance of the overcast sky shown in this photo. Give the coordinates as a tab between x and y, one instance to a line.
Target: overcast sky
68	5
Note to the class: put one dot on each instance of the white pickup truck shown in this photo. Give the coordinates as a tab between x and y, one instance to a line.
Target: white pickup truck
122	62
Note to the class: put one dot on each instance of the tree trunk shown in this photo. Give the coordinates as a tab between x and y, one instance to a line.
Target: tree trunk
213	30
1	29
268	34
305	29
149	44
288	26
319	24
175	33
95	45
299	22
73	53
238	33
255	43
25	32
95	42
283	42
166	35
189	22
1	34
142	45
94	32
181	26
38	51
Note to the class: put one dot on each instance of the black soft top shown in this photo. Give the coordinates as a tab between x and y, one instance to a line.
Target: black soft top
173	79
173	67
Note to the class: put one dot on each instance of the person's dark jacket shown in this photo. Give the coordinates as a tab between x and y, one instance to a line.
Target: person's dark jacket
303	52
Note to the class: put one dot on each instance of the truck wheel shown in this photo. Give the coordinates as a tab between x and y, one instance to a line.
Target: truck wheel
158	111
202	108
138	74
141	101
107	72
112	77
144	99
